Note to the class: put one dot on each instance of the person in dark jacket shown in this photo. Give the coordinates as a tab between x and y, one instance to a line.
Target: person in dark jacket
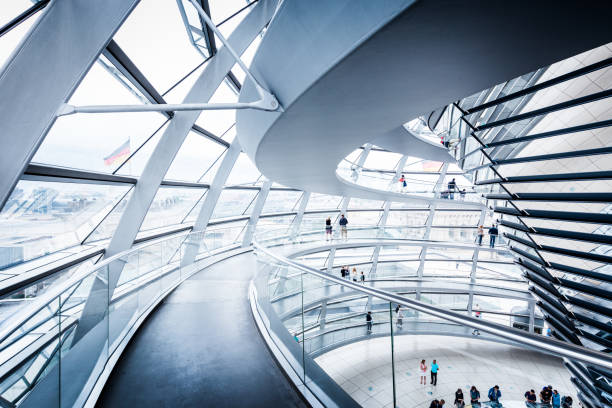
494	394
493	232
452	186
369	322
343	223
459	402
546	395
328	229
530	398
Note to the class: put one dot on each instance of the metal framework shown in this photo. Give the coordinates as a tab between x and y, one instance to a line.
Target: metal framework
571	284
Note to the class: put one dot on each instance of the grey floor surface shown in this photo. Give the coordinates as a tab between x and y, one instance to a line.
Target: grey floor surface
201	348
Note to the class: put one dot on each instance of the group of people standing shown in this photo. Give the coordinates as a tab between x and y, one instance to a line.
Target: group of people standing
343	222
345	273
434	372
548	396
493	233
447	194
452	189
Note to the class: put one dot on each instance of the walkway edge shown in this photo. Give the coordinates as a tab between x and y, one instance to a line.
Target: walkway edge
112	360
278	355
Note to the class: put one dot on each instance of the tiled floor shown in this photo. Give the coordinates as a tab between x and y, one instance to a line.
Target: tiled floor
363	369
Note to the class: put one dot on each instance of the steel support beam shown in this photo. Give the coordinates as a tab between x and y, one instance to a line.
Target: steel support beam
167	148
29	98
330	260
542	85
259	203
549	109
210	201
297	221
430	218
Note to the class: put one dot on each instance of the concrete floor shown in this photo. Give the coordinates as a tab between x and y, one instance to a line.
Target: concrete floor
364	370
201	348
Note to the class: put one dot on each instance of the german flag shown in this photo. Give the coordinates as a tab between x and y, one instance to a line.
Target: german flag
119	154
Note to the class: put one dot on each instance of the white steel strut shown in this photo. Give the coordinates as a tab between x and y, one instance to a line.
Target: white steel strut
267	101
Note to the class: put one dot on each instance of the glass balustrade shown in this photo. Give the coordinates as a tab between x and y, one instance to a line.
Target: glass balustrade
308	315
55	345
353	173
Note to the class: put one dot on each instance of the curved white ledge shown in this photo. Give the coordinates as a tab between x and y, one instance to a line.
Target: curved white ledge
347	73
401	140
361	191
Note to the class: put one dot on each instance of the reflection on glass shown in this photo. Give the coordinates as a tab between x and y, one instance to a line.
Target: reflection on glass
44	217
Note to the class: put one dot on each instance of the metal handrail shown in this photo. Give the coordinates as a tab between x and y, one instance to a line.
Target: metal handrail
549	345
14	321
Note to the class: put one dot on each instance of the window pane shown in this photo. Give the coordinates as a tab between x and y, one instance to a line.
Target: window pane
219	121
170	206
43	217
196	156
102	141
407	218
155	39
453	218
244	172
281	201
323	202
233	203
109	224
12	39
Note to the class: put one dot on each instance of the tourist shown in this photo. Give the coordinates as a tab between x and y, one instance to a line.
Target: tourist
354	274
556	399
474	395
459	403
546	395
362	277
462	194
403	183
492	235
342	272
434	404
480	234
423	372
452	185
343	223
441	403
369	322
434	373
400	320
328	229
530	398
494	394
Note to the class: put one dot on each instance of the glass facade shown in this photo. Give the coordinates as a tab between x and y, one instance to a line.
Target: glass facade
538	164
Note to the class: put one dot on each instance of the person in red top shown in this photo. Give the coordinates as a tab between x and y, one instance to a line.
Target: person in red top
403	184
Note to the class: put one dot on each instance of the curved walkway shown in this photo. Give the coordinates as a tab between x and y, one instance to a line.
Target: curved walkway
387	195
384	67
200	348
